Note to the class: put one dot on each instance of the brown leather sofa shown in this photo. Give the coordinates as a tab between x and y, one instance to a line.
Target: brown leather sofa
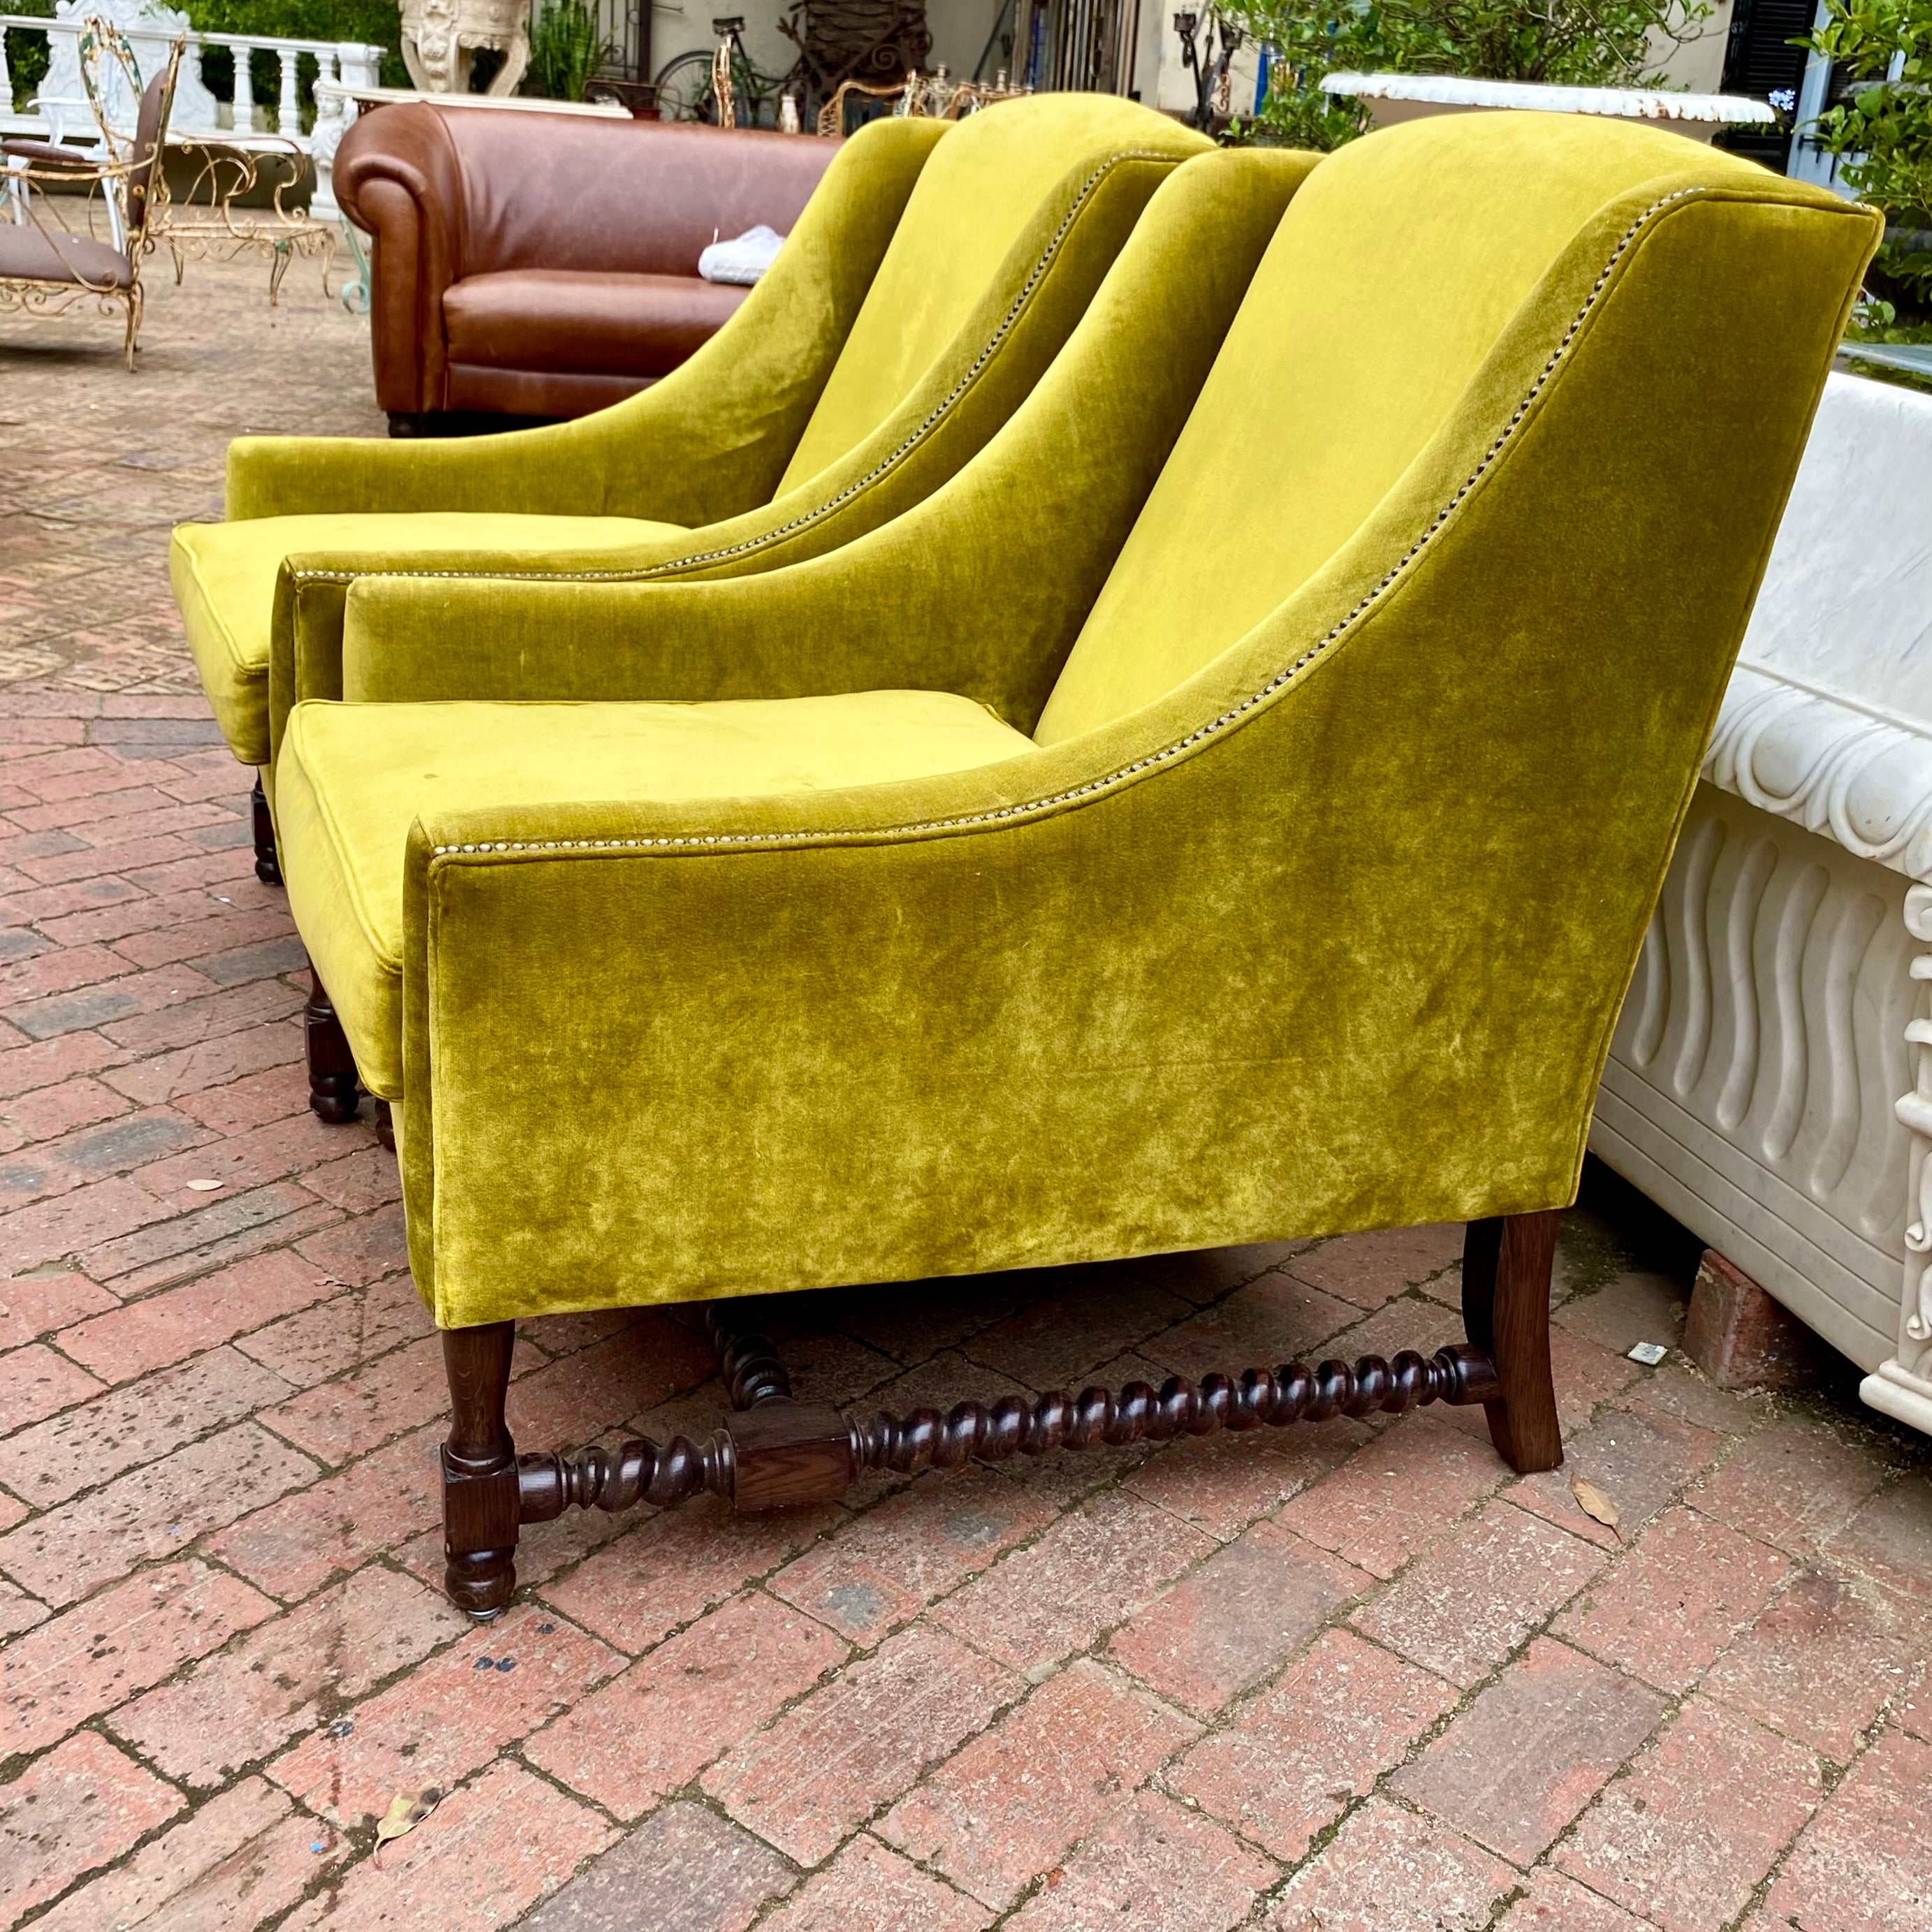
546	264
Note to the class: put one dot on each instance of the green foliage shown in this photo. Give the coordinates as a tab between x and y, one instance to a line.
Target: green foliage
370	22
1887	123
567	47
1884	131
1565	43
27	53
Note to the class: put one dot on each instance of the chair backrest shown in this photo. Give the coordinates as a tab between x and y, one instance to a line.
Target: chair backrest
111	77
1394	273
145	188
972	202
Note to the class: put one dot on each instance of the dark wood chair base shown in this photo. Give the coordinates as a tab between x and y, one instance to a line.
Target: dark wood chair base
334	1091
268	865
773	1451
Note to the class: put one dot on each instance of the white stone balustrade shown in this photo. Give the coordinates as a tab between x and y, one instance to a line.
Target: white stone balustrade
151	28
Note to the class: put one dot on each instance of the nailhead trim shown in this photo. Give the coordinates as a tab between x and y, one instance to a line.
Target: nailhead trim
941	409
1167	752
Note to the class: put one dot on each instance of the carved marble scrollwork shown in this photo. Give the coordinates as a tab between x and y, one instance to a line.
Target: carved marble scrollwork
1823	762
1778	1013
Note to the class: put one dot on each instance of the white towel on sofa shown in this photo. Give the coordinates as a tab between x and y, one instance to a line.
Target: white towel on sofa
743	258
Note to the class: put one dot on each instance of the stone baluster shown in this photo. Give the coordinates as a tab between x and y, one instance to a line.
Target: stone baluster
358	65
6	78
288	114
243	98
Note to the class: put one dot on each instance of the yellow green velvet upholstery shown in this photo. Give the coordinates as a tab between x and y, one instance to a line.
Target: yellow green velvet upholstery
1327	932
1085	448
385	763
224	584
1009	228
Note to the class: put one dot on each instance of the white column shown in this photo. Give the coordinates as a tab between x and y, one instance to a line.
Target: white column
360	65
288	116
242	100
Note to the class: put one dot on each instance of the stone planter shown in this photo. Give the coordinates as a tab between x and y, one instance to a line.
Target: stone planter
1394	97
1770	1083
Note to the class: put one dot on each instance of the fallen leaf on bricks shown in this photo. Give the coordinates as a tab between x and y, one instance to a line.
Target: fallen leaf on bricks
407	1809
1595	1503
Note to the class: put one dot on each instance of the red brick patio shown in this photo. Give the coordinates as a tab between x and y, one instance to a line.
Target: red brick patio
1341	1678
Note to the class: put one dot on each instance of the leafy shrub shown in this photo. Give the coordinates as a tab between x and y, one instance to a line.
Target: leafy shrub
1566	43
371	23
26	52
1884	131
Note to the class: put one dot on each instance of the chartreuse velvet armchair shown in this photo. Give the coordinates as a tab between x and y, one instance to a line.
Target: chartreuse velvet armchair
933	275
1298	895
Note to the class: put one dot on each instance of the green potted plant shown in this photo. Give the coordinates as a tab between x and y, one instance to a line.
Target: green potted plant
567	47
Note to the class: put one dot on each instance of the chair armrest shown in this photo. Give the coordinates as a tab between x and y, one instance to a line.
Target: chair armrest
397	178
710	440
1029	528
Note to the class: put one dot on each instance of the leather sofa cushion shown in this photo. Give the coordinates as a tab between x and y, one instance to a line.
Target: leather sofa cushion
641	197
565	320
224	582
352	779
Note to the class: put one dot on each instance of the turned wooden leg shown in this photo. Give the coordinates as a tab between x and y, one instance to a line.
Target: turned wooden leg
268	867
481	1502
1506	1265
332	1085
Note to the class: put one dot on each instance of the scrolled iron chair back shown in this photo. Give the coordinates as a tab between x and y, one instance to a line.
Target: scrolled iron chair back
108	71
146	190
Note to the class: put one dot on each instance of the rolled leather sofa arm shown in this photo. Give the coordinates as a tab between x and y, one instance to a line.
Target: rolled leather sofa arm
397	179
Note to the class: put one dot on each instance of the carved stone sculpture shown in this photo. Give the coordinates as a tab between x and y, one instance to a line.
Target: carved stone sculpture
150	29
440	36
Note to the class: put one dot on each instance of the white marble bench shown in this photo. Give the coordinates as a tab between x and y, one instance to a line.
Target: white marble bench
1770	1083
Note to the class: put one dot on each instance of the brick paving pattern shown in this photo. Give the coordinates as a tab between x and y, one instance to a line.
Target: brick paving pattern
1350	1676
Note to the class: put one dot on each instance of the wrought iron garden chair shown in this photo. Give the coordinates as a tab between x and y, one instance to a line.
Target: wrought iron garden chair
45	269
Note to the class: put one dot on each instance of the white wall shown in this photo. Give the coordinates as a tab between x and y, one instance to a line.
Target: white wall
676	28
959	30
1172	89
1697	66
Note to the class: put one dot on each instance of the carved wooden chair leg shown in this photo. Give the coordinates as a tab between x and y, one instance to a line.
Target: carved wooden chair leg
1506	1265
385	1125
267	866
332	1084
774	1450
749	1364
480	1507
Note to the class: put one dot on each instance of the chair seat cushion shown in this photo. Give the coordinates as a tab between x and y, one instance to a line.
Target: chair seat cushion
29	253
52	154
224	581
564	319
351	778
